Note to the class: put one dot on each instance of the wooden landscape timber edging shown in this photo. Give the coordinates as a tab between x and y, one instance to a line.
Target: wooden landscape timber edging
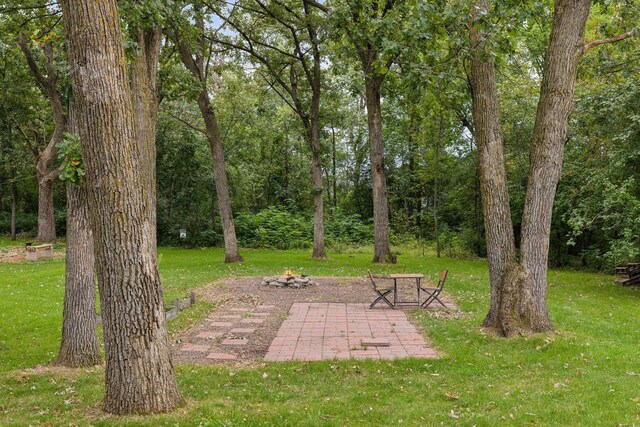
629	275
177	307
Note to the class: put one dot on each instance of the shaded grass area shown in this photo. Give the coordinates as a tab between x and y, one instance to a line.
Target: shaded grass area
586	374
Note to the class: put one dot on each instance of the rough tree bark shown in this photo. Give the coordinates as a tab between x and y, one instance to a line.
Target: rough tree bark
232	253
14	209
144	71
566	46
199	69
382	248
45	156
314	78
333	167
436	179
518	286
139	372
79	346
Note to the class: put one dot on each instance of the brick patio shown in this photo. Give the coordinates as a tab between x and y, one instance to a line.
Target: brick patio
317	331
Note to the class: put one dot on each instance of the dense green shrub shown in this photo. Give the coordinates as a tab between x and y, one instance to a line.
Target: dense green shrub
457	244
275	229
279	229
344	229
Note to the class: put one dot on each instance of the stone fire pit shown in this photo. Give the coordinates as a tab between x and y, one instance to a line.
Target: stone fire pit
288	281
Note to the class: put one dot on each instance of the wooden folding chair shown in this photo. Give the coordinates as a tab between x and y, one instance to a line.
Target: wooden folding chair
433	293
382	293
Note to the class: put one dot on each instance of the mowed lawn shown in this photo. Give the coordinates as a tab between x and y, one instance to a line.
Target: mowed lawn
588	373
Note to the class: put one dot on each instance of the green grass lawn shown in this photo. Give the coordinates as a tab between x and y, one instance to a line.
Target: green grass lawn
588	373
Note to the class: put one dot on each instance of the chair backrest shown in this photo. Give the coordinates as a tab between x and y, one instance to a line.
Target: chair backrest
373	282
443	277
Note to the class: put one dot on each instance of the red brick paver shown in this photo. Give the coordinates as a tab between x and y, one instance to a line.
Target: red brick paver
194	347
252	321
317	331
235	341
221	324
222	356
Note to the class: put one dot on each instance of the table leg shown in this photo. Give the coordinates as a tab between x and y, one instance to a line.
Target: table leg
418	286
395	292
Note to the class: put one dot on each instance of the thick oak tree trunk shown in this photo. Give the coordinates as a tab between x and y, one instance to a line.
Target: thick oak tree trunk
46	216
232	253
501	248
144	70
79	346
382	249
139	372
518	286
566	45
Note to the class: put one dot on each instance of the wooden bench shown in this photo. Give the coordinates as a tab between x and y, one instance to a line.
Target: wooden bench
38	252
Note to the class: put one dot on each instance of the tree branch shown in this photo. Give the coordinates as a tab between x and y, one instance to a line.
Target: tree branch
33	147
185	122
614	39
318	5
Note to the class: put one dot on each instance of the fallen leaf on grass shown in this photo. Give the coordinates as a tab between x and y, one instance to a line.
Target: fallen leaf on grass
451	396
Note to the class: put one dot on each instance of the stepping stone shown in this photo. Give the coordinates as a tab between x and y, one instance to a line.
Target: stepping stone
231	316
243	330
209	335
252	321
240	309
194	347
235	341
265	307
221	324
261	314
222	356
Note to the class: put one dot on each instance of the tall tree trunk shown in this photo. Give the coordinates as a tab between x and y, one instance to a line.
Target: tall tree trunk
46	215
315	79
197	68
144	71
79	346
14	209
566	45
435	187
45	156
333	167
382	249
139	372
501	248
316	174
518	289
411	197
232	254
